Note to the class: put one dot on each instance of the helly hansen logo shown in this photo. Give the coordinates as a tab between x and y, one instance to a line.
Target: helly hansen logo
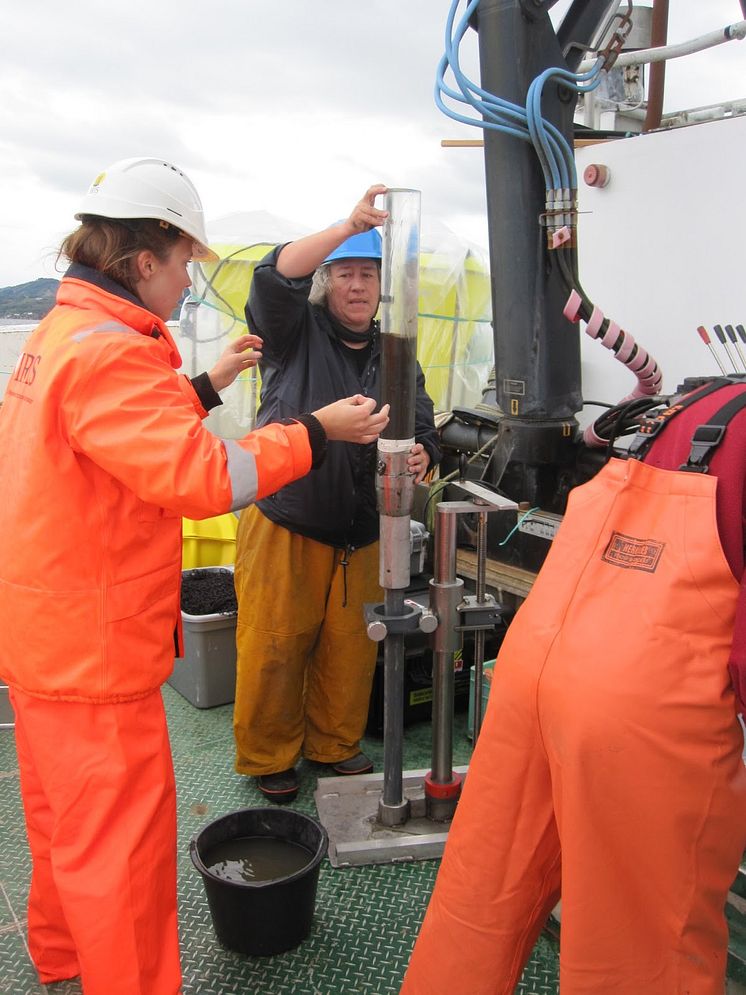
26	367
633	554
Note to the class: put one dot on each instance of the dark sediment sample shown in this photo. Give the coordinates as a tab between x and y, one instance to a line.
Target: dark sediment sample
398	383
208	592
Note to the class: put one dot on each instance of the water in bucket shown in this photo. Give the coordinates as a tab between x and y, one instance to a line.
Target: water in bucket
255	858
262	895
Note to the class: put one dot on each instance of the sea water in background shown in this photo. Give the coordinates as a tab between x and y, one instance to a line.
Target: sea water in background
13	334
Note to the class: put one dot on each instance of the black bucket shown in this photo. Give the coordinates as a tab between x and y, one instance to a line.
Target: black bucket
262	917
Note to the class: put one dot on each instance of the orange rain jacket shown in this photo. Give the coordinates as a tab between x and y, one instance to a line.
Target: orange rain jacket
102	449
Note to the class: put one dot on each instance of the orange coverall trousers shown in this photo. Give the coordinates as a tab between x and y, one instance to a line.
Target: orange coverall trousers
98	793
609	767
305	663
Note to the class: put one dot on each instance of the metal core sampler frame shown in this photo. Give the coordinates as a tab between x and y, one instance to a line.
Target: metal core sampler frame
397	815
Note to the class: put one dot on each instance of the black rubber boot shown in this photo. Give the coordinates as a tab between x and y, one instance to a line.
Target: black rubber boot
281	787
359	764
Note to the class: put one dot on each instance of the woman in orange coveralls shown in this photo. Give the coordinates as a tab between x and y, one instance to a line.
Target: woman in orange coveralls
102	450
609	766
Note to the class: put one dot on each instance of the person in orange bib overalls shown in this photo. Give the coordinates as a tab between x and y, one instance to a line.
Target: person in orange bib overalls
609	767
102	449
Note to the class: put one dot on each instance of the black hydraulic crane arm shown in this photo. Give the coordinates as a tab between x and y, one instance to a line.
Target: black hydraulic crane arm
537	350
580	27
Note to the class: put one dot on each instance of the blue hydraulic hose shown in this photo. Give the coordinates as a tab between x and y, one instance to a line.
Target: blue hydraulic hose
526	123
537	124
495	109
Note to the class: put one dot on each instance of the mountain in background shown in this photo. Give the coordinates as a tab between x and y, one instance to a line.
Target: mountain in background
28	301
32	301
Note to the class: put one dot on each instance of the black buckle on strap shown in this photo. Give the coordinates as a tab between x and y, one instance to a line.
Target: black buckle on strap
705	439
649	428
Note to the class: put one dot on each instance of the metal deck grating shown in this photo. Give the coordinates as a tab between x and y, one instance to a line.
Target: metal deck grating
366	918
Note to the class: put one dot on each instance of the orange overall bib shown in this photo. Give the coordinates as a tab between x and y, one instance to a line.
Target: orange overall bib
609	765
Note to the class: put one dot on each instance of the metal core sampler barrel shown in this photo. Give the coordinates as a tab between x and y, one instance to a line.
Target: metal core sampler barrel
394	483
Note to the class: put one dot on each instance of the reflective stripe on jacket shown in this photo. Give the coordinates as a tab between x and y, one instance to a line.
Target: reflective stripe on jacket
102	450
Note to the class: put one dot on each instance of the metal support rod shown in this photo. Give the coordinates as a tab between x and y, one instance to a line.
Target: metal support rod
444	564
442	786
656	87
443	692
393	708
481	587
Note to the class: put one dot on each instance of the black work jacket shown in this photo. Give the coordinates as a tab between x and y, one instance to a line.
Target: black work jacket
304	367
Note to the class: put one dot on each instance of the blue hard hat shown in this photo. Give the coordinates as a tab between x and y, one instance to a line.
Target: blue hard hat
366	245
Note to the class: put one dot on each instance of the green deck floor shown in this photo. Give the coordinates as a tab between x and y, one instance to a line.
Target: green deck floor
366	918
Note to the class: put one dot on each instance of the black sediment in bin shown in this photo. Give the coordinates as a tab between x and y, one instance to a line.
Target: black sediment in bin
262	918
208	591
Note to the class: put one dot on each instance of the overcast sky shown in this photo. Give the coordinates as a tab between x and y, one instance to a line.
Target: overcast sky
287	106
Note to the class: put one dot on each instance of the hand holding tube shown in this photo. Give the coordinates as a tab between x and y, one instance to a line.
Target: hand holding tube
365	215
418	461
353	419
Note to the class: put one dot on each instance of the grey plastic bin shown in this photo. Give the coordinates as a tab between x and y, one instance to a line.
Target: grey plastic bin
206	674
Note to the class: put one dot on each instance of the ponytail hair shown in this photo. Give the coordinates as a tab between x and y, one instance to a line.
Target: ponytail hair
111	245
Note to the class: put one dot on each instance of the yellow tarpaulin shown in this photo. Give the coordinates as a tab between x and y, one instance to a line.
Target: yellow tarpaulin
454	334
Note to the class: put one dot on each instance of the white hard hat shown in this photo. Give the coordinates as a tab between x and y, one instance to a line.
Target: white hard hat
149	188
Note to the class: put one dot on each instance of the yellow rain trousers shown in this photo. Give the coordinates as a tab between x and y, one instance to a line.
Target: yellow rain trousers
98	792
305	663
609	766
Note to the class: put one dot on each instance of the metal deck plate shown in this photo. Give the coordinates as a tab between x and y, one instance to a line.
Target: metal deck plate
348	810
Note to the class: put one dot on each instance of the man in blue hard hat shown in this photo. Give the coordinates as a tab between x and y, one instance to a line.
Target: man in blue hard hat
307	557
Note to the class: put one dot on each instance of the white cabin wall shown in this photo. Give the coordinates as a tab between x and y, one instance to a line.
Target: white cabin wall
661	249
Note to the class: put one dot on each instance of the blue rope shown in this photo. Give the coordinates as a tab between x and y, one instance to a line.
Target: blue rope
517	525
